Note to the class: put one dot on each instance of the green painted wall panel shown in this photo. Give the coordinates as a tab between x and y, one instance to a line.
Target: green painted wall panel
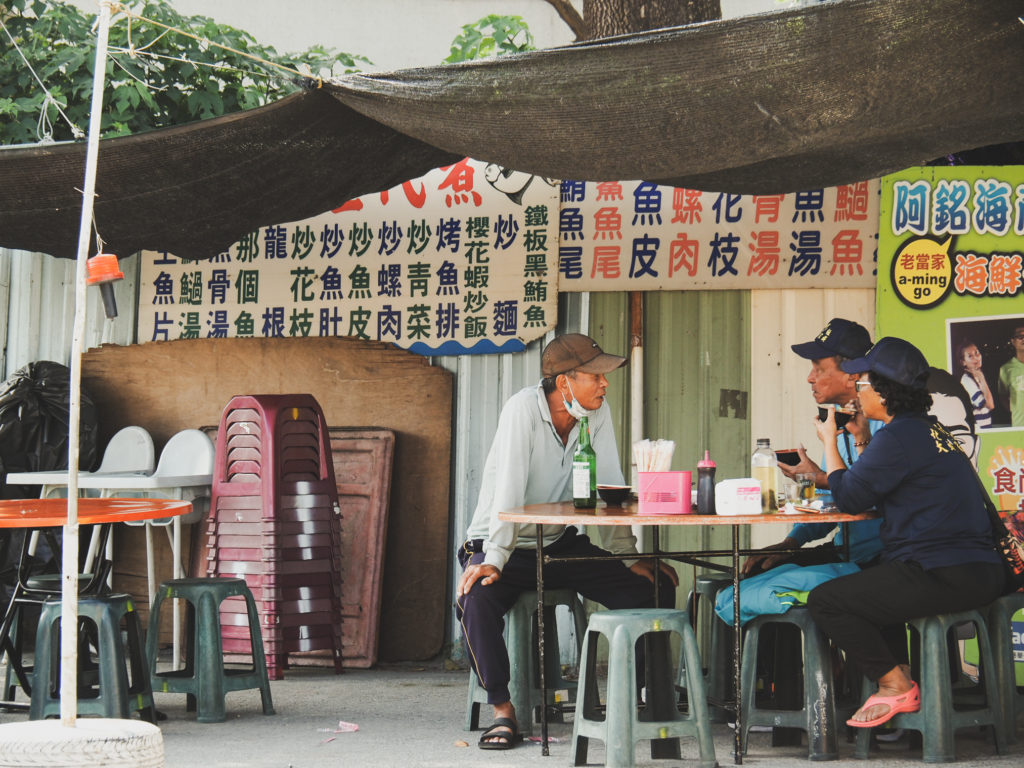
697	384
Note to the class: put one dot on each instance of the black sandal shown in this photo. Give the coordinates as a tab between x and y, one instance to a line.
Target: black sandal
502	728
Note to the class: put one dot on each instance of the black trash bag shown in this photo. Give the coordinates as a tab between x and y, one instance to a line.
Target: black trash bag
34	422
34	404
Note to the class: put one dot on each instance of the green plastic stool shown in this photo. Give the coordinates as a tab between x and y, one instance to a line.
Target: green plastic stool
18	673
1011	698
520	640
116	694
622	721
718	654
938	718
204	677
817	714
37	589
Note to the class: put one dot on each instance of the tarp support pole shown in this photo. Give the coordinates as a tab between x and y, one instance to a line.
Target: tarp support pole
636	398
69	561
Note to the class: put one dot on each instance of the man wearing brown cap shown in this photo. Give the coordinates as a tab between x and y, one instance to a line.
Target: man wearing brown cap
530	462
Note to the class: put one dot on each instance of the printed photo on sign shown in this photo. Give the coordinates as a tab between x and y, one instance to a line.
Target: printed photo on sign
982	357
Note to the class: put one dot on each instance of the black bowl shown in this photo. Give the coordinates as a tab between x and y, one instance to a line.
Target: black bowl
614	495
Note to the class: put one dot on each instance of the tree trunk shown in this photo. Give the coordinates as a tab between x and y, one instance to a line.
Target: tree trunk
617	17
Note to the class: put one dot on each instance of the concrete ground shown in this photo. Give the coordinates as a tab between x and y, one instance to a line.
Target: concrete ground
413	715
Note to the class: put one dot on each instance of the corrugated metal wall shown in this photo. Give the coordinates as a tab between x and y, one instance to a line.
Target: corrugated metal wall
696	376
37	309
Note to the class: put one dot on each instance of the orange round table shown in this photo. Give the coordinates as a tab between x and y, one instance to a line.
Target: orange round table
53	513
47	513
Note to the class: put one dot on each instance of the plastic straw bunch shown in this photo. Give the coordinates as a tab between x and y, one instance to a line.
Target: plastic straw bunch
653	455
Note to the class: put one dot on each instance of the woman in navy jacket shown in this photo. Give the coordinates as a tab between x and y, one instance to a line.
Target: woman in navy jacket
938	554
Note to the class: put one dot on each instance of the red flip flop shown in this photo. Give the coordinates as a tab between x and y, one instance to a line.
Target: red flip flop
904	702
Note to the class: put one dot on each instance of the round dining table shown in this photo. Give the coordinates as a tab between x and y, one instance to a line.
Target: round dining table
40	514
47	513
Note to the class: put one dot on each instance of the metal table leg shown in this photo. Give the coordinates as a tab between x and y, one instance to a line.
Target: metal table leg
540	645
736	755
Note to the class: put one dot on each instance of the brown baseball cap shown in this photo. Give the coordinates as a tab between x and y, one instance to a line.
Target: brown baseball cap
574	351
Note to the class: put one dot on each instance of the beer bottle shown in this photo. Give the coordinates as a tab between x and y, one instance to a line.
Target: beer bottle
584	470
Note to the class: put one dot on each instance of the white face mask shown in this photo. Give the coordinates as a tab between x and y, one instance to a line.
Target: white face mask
574	408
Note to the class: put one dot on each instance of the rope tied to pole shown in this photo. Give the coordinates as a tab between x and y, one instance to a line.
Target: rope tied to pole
135	52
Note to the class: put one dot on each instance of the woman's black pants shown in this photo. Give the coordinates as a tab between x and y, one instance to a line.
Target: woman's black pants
865	613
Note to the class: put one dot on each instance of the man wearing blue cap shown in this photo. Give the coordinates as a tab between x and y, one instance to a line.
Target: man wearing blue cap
840	340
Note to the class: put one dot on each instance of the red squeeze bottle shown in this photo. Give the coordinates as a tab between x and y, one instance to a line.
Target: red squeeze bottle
706	485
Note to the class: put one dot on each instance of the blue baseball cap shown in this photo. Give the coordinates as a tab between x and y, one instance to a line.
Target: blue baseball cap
839	337
895	359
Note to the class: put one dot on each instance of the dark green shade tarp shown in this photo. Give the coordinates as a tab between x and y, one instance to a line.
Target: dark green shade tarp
830	94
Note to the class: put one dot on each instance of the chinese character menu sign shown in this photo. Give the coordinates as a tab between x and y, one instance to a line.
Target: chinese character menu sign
640	236
951	280
460	260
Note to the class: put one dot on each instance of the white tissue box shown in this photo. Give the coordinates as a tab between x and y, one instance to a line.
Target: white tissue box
738	496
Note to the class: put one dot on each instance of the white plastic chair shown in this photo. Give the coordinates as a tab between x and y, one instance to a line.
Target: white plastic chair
129	450
189	452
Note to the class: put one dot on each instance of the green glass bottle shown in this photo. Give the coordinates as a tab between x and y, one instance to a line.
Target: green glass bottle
584	470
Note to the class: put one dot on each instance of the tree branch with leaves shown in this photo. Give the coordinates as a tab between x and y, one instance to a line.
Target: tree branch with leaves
156	77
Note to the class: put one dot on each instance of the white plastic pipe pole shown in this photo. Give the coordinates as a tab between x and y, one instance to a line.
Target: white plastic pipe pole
636	420
636	399
69	562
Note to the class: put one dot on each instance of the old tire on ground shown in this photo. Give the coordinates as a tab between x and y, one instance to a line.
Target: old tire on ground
92	742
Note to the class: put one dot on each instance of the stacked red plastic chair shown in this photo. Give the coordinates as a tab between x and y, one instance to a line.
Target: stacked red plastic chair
274	521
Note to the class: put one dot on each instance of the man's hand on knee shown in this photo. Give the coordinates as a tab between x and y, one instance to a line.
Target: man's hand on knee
768	559
485	574
645	568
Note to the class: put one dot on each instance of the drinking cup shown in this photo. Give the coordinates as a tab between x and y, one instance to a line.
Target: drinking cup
805	486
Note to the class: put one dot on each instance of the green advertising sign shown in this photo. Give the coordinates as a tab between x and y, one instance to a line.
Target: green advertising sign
951	281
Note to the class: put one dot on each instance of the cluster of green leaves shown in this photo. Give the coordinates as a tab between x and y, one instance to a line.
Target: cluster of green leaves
491	36
170	79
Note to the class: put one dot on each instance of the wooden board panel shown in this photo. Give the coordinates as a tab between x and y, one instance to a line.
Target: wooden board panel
363	460
169	386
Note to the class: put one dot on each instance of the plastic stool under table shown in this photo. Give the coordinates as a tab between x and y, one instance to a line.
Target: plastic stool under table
624	721
817	715
718	654
204	677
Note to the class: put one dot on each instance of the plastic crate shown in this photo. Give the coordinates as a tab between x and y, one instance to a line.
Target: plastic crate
663	493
